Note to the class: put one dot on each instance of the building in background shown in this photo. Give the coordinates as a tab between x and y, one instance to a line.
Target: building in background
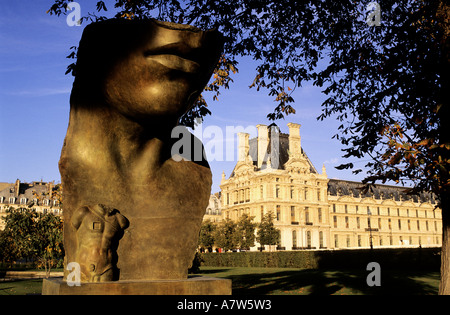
213	211
41	196
274	174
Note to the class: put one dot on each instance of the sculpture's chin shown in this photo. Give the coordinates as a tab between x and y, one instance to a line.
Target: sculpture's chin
155	101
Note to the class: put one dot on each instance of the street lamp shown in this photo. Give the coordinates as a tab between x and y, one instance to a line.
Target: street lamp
370	228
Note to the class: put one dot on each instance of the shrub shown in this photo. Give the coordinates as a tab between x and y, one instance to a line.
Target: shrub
404	258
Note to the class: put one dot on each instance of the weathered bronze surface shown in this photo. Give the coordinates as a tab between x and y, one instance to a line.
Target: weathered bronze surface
99	230
133	81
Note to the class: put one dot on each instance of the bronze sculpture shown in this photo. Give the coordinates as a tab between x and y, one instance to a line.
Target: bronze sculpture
133	81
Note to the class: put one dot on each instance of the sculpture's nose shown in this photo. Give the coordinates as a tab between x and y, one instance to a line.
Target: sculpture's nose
168	33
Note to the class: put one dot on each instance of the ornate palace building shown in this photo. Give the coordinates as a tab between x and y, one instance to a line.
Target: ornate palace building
274	174
40	196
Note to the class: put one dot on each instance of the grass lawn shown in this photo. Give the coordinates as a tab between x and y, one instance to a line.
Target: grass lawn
286	281
21	287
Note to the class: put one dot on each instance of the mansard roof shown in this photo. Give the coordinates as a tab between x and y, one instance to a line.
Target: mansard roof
27	190
338	187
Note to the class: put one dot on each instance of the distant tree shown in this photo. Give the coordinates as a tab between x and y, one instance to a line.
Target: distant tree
49	241
224	235
267	233
244	236
19	235
32	237
206	237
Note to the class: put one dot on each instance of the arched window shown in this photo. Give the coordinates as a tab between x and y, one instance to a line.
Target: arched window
294	239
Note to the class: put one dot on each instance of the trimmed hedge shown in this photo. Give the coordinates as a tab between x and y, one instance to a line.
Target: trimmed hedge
395	258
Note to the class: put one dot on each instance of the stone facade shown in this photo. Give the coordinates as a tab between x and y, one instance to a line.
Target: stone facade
213	211
274	174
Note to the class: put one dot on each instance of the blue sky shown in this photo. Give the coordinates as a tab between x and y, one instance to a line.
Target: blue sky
34	100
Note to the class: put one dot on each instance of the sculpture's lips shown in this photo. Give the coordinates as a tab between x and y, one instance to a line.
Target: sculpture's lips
177	56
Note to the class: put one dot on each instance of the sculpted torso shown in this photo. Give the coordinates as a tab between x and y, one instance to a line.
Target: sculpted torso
134	80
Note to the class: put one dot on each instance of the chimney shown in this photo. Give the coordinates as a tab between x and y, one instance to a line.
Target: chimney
17	188
243	146
294	139
263	142
50	188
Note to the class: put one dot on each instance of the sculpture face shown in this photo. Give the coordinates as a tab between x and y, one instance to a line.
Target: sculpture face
133	80
151	68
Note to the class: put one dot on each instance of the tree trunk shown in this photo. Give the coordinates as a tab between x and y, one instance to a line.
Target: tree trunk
443	16
444	287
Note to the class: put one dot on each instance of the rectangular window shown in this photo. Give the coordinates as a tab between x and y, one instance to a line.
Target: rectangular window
278	212
307	215
319	214
294	239
335	221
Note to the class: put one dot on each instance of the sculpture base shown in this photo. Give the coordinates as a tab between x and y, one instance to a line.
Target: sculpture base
190	286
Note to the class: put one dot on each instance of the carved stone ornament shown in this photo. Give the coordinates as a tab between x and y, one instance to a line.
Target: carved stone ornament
128	205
